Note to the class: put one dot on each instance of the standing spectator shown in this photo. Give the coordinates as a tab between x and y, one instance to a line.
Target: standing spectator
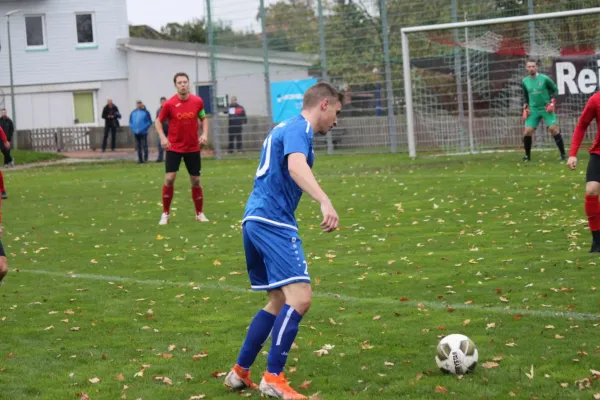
9	128
111	116
237	118
6	144
140	121
165	125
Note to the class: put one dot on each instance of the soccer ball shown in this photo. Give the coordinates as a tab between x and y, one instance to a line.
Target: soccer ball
456	354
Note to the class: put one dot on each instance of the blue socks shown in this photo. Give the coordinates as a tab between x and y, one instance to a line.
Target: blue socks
257	335
284	333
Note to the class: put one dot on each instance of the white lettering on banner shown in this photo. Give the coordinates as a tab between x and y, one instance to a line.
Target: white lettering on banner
587	81
286	97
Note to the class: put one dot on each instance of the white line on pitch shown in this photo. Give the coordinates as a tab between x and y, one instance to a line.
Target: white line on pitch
340	297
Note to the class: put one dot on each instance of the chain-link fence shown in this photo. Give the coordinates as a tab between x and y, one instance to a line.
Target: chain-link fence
263	51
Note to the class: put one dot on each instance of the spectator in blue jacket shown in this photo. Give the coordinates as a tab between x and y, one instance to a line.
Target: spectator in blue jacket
140	121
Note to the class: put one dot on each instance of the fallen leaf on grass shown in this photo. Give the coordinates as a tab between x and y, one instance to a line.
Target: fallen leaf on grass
490	364
557	336
94	380
218	374
188	377
75	328
375	318
120	377
304	385
466	322
82	396
179	296
164	379
167	355
172	347
198	397
597	396
531	373
199	356
564	384
440	389
388	364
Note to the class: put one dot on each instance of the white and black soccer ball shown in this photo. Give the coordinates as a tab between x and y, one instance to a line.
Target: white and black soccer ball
456	354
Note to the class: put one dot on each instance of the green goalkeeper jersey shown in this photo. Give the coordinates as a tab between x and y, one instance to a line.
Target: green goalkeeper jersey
538	90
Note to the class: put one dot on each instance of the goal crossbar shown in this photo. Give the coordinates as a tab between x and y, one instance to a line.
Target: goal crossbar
498	21
456	25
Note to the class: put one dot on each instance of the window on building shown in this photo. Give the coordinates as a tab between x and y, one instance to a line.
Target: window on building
35	31
83	103
85	28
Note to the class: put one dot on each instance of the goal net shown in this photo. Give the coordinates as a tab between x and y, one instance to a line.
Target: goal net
463	81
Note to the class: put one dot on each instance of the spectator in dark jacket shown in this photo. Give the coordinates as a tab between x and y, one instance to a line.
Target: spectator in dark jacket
165	126
237	118
9	129
111	116
140	121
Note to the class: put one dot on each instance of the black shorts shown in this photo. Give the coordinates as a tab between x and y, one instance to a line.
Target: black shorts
2	253
593	168
191	160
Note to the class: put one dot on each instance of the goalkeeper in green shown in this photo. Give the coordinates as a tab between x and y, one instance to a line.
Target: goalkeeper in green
539	102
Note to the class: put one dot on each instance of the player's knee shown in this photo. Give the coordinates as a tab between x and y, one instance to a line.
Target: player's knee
3	267
302	305
592	188
195	180
276	301
169	180
299	296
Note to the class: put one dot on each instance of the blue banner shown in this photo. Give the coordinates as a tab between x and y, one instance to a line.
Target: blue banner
287	96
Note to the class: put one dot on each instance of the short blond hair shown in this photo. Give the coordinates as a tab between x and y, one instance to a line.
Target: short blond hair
318	92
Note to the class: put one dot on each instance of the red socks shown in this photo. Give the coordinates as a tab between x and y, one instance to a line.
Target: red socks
198	198
167	196
2	182
592	209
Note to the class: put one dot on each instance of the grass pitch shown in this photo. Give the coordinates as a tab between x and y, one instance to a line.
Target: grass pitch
108	304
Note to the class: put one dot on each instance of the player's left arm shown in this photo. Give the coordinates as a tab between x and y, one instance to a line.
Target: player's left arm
202	116
552	93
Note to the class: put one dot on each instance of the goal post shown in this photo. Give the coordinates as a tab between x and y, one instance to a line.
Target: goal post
492	55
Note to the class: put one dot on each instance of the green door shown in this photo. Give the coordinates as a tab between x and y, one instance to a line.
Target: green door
84	108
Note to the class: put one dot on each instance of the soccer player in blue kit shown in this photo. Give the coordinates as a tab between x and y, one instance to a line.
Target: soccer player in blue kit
274	255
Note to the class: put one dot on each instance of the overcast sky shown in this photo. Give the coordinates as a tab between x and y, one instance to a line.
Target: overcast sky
156	13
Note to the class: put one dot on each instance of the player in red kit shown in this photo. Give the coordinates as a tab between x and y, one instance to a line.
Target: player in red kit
592	186
6	144
183	112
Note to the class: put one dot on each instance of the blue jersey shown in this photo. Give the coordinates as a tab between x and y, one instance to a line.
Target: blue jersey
275	196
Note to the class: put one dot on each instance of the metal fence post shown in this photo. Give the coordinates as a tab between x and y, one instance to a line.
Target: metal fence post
458	75
265	43
324	74
213	77
388	77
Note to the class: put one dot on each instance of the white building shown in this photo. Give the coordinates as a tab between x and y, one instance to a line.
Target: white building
69	57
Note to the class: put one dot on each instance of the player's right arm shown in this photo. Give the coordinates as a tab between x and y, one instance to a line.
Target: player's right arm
526	110
587	116
164	115
296	148
303	176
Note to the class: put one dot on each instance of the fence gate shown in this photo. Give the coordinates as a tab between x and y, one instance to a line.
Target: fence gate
60	139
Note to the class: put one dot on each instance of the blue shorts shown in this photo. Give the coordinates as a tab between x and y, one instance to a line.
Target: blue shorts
274	256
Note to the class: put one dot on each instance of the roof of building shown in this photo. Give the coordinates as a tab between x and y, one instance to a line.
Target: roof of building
249	54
